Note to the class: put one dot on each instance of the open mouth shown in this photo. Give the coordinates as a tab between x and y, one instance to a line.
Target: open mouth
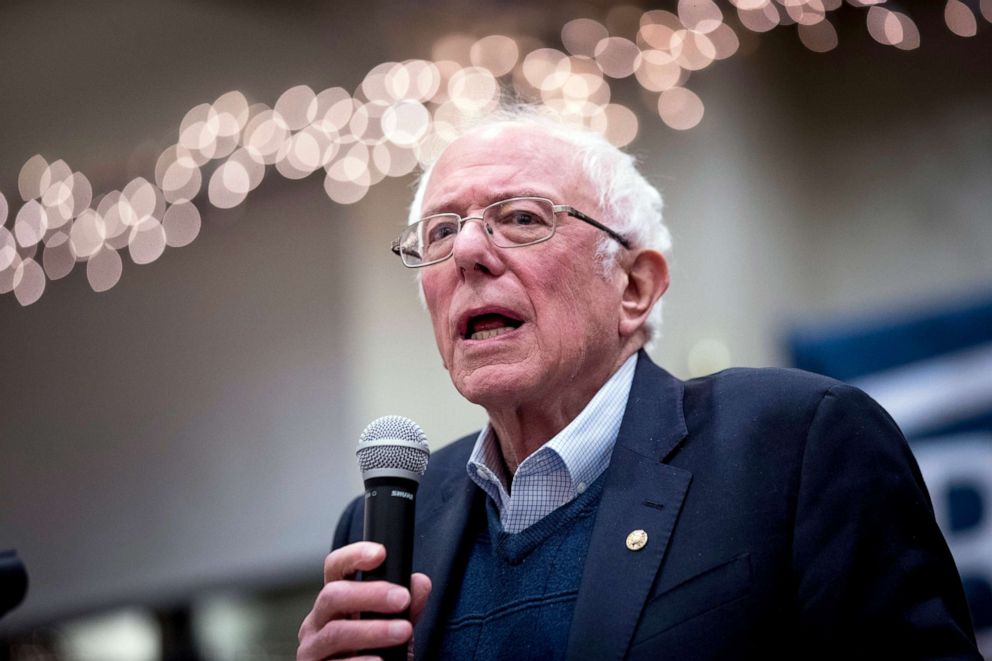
490	325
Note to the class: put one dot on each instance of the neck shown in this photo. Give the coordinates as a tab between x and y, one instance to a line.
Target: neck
523	428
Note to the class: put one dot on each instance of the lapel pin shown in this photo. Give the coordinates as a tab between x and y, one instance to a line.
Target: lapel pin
637	539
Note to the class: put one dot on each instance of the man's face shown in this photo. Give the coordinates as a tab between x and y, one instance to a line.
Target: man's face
551	316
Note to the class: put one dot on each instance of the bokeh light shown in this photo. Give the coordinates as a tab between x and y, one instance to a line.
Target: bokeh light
892	28
87	234
29	179
82	193
910	33
301	155
103	270
621	124
229	185
334	107
725	41
749	4
394	160
805	12
116	216
760	18
960	19
496	53
701	16
680	108
58	259
819	37
617	57
177	174
254	169
344	190
198	132
366	124
8	248
29	282
404	123
8	274
425	80
297	107
692	50
401	115
542	66
142	199
264	136
474	90
30	224
147	241
181	224
453	47
581	35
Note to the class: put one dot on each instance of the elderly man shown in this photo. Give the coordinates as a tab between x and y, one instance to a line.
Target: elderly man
610	510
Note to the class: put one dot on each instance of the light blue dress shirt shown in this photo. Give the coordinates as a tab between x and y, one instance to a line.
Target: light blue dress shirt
560	469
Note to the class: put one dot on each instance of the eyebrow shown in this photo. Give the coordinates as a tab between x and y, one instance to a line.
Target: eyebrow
446	205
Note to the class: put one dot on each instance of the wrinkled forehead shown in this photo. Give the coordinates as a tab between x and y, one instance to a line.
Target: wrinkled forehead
501	161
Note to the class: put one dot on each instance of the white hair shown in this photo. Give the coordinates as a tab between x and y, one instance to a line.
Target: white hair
628	203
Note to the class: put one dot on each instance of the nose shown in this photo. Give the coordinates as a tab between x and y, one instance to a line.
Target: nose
473	250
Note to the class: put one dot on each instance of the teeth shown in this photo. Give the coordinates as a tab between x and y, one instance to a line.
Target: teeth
486	334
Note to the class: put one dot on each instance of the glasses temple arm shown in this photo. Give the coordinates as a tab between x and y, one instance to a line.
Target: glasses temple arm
575	213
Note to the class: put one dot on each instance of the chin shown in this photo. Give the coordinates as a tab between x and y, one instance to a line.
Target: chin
495	385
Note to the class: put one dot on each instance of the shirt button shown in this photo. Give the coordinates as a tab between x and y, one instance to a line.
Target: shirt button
581	487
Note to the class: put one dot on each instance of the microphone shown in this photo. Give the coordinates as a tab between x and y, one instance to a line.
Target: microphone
392	455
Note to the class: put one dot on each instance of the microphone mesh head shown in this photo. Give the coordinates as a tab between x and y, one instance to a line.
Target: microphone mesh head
393	442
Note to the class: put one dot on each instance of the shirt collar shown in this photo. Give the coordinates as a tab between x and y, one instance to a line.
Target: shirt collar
584	446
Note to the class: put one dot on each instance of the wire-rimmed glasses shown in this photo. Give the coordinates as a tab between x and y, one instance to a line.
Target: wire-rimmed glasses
512	223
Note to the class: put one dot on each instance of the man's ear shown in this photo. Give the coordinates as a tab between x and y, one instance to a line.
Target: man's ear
647	280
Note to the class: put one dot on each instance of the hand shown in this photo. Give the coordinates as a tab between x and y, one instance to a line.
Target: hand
332	629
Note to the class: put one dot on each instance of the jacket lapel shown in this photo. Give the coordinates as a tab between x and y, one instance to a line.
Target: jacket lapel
445	522
641	493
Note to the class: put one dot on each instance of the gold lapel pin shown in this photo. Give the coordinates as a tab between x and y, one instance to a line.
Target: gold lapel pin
637	539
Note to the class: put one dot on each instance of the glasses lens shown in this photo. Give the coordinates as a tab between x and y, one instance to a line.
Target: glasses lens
435	236
410	251
520	221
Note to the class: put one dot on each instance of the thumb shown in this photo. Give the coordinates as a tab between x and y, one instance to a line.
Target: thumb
420	590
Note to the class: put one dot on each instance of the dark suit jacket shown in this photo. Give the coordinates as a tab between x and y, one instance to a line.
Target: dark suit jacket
786	518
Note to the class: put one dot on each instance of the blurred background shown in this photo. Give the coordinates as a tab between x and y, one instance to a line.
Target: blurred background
199	312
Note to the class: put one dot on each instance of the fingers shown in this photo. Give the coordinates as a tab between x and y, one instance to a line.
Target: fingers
420	585
329	630
343	599
345	561
348	636
332	629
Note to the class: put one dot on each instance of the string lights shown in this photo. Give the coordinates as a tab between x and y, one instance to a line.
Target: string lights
400	117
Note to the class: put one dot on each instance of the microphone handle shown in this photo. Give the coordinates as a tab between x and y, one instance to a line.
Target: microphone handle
389	516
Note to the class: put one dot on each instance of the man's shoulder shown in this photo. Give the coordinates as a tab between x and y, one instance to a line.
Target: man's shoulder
763	383
771	393
758	382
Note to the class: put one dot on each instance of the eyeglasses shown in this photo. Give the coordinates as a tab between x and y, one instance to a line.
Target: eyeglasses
513	223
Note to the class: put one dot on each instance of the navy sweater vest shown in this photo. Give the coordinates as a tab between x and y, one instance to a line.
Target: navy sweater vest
518	591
